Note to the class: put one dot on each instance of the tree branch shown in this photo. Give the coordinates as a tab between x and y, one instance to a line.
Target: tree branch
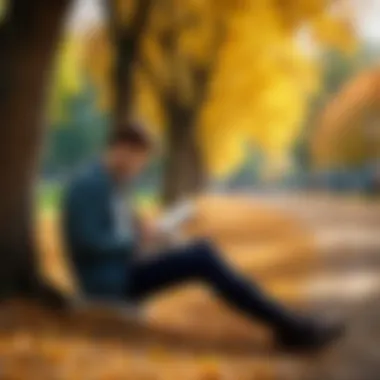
203	75
133	32
154	80
127	39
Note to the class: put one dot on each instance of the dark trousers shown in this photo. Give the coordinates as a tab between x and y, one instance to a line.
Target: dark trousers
200	261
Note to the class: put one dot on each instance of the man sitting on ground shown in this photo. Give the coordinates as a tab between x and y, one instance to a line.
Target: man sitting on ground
99	228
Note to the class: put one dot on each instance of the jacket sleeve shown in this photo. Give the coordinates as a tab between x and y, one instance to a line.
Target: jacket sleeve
85	206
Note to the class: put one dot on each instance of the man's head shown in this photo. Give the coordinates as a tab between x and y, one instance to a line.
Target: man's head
128	151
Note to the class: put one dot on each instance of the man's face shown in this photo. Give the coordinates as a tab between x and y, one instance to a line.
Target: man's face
129	161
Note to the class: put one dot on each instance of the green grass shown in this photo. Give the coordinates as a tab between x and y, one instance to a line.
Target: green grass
48	196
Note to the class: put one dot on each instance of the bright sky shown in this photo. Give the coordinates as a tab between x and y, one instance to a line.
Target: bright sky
366	14
367	18
85	13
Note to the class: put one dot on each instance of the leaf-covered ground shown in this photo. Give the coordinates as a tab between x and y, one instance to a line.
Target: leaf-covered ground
309	253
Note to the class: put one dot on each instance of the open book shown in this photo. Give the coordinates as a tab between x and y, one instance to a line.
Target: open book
175	217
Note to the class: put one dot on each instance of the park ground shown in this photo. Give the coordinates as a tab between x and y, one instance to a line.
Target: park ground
314	252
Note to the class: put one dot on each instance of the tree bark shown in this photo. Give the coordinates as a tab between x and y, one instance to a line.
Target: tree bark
184	168
28	40
127	40
185	172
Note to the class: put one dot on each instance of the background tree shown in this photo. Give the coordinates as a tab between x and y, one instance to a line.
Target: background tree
347	134
337	68
127	23
209	82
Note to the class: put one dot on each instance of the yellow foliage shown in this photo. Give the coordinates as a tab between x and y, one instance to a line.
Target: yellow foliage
123	10
82	58
335	32
99	56
230	146
147	104
260	85
68	79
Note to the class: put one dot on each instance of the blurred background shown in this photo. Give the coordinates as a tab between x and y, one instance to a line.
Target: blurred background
268	114
276	98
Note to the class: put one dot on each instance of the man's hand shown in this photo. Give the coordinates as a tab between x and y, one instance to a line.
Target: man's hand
152	238
166	230
148	232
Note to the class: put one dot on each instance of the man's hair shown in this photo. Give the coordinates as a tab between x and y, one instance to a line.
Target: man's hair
132	134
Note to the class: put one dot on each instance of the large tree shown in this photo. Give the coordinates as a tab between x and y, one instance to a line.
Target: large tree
29	34
185	86
256	93
133	25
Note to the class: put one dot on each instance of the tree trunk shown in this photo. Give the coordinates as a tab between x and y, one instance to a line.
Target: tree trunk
123	79
127	40
28	40
184	170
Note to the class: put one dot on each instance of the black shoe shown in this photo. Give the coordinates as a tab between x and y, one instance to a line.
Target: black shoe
309	336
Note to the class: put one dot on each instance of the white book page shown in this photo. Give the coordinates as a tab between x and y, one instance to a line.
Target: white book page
175	217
